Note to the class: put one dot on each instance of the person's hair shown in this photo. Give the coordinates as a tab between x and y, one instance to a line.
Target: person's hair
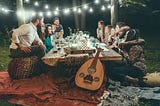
34	18
46	30
133	34
55	18
123	31
103	25
109	28
120	24
101	22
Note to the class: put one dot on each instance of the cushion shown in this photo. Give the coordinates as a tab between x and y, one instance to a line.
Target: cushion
19	68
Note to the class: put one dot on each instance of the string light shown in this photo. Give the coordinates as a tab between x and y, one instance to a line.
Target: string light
79	10
74	9
57	9
85	6
33	13
36	3
46	6
40	13
49	13
2	9
96	1
103	8
56	13
90	10
66	11
109	6
6	11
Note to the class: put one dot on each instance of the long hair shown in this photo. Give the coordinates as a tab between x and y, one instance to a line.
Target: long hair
103	27
133	34
46	30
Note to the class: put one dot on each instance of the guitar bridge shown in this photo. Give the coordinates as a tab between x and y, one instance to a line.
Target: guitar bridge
88	79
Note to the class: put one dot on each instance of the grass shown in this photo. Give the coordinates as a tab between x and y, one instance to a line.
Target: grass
4	58
152	53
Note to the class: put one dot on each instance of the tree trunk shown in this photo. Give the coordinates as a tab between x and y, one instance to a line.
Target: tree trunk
76	16
114	12
21	16
83	18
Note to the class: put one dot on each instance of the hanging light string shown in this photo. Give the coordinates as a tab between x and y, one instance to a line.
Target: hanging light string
48	12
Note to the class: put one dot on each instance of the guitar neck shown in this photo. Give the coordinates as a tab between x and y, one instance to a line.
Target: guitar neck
93	65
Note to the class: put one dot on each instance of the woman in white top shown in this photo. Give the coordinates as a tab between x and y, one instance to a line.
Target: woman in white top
100	31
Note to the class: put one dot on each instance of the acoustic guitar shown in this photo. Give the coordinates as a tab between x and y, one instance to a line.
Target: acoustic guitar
90	75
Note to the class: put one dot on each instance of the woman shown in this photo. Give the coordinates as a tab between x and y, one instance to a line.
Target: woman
113	39
134	68
49	39
107	34
100	31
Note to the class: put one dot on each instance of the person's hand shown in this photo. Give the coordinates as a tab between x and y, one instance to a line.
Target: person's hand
41	45
24	48
122	45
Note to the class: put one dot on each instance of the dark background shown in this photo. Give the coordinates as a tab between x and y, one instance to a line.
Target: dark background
146	19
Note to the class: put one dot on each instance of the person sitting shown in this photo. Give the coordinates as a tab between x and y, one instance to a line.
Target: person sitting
23	38
107	33
49	38
57	29
100	31
41	30
113	40
133	57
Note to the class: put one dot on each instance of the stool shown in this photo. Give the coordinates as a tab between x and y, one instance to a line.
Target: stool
19	68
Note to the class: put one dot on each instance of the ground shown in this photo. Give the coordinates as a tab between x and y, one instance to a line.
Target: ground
151	51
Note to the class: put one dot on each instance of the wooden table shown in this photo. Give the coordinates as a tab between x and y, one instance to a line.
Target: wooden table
52	58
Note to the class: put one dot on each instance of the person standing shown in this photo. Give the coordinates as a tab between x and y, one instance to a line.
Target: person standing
25	41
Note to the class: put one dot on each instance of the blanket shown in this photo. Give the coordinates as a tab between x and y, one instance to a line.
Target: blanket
46	90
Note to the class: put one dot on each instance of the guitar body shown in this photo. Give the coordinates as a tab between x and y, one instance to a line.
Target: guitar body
88	77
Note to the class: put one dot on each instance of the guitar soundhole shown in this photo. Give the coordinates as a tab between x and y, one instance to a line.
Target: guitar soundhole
81	75
88	79
96	79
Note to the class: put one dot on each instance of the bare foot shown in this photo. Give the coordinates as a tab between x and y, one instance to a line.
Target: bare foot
133	80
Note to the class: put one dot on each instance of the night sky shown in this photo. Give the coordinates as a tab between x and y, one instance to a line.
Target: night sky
147	19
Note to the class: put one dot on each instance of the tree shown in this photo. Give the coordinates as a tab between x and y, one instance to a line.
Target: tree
21	18
114	12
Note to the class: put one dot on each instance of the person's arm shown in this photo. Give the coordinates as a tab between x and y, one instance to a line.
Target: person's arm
98	36
131	43
136	42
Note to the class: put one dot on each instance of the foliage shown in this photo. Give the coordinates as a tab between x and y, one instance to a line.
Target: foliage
4	58
134	6
4	36
127	3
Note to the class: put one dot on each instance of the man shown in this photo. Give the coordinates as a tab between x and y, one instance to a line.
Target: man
57	29
25	41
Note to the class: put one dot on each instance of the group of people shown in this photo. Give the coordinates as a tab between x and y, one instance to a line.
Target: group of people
27	41
127	42
34	38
